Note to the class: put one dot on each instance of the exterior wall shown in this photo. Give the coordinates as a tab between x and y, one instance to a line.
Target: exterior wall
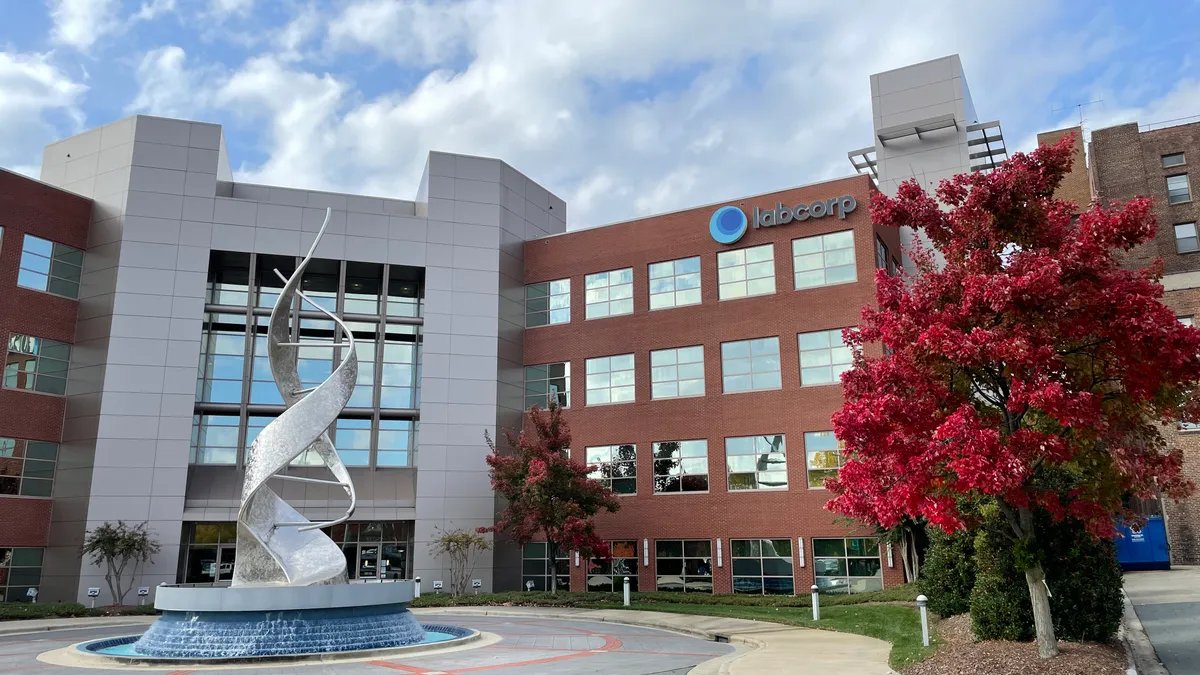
1076	185
791	410
1127	163
164	201
30	207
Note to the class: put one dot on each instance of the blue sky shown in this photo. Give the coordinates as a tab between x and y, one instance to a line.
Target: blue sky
621	107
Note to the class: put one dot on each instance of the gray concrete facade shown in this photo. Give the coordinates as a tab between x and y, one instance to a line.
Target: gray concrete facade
164	199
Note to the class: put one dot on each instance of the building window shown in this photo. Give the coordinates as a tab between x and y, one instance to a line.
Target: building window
847	565
222	362
20	570
681	466
36	364
683	565
1173	159
608	576
27	467
1185	320
762	566
756	463
677	372
609	293
826	259
823	452
534	567
881	254
675	283
50	267
616	467
374	550
210	554
610	380
546	383
823	357
397	438
399	386
1185	238
1178	189
746	272
215	438
749	365
352	438
548	303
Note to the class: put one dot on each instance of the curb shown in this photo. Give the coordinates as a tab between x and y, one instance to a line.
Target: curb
1140	656
27	627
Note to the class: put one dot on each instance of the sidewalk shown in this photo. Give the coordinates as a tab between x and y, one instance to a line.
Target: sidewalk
762	647
1168	605
40	625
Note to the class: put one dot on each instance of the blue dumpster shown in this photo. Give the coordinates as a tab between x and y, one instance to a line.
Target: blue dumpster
1145	548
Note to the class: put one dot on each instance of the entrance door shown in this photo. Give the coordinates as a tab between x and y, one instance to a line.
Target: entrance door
393	562
368	561
201	565
225	564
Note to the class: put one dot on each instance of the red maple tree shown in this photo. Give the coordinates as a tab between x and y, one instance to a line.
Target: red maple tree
1026	367
548	494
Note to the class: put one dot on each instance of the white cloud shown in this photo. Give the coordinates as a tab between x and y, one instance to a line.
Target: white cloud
80	23
621	107
31	90
227	7
167	87
153	9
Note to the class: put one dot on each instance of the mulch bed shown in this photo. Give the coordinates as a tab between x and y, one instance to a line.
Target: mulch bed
960	654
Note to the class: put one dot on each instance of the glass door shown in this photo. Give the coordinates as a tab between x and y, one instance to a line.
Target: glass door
368	561
225	563
393	562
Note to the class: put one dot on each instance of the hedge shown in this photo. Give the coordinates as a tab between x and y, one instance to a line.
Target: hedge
948	572
50	610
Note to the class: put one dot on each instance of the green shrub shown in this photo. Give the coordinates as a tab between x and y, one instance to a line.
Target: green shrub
906	594
948	573
1083	576
27	610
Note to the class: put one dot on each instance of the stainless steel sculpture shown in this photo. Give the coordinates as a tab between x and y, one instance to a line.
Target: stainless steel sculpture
275	544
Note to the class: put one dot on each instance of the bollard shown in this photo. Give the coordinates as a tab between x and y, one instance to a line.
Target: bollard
921	602
626	591
416	587
816	603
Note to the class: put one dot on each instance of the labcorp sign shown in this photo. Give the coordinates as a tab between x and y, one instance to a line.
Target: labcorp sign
729	223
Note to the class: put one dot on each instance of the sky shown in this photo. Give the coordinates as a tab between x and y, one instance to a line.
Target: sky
623	108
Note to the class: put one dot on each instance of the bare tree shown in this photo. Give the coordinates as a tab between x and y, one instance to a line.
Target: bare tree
462	547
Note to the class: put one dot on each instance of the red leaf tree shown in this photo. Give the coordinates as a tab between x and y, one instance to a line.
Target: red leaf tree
548	493
1026	367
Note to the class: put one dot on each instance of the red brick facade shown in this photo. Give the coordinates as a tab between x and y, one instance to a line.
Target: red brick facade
30	207
791	410
1126	163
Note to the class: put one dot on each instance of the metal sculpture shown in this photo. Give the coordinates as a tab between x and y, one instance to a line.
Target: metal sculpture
275	544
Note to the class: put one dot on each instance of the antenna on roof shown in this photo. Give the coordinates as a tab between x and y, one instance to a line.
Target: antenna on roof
1079	107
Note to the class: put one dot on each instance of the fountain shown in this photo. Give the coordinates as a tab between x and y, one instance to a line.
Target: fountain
290	596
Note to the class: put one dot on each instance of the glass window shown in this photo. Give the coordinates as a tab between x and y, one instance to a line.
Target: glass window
364	348
849	565
364	286
403	291
683	565
762	566
677	372
881	254
1185	238
549	382
681	466
20	570
748	365
27	467
228	278
608	576
222	361
50	267
746	272
610	380
823	452
400	382
823	357
548	303
675	283
827	259
36	364
535	567
215	439
756	462
1178	189
352	439
616	467
1173	159
1185	320
609	293
397	438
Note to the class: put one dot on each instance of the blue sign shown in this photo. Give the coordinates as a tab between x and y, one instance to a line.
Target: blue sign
727	224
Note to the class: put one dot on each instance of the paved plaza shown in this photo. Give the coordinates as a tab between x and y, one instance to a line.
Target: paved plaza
1168	605
527	645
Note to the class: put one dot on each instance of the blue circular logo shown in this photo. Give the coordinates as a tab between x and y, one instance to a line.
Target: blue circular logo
727	224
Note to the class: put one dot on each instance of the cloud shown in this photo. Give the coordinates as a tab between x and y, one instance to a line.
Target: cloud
227	7
80	23
33	91
167	87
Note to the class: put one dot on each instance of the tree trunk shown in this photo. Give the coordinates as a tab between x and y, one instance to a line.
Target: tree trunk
1042	622
552	554
916	558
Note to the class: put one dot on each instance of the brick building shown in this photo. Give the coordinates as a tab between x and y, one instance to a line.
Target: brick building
701	376
42	232
1126	162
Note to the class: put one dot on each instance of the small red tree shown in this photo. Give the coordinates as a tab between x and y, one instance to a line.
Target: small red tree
547	492
1030	369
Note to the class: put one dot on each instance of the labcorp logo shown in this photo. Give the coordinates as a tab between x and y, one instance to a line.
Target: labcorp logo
729	223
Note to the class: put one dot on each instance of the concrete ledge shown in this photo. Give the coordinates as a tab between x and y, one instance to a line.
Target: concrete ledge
280	598
27	626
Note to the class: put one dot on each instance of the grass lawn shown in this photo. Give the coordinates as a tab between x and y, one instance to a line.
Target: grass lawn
896	624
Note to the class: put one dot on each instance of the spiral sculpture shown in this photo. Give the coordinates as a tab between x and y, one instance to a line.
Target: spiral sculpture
276	546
